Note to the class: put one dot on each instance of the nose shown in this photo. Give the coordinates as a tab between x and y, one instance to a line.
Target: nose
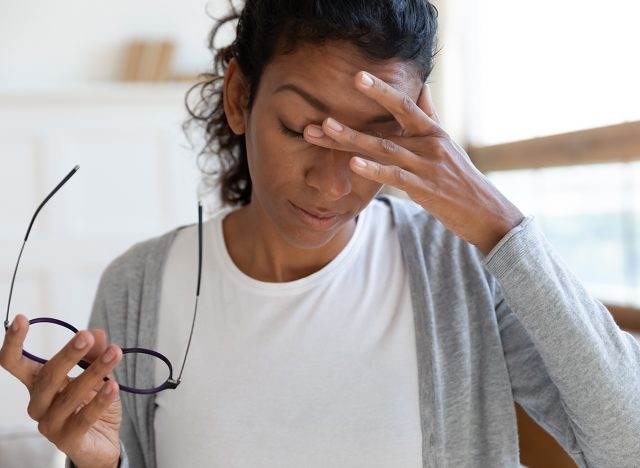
330	174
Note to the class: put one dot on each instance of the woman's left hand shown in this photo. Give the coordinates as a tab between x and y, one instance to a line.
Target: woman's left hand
428	165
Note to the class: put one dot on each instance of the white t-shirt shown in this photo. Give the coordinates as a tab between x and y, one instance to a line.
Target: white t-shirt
317	372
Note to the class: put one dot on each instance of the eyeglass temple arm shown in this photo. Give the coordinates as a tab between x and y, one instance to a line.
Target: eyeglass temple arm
53	192
33	218
195	309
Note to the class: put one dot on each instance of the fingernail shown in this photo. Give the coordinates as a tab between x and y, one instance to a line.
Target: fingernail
366	79
315	132
108	355
14	326
359	162
79	342
108	389
332	124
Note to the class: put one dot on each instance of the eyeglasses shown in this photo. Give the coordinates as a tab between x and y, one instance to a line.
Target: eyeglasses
170	382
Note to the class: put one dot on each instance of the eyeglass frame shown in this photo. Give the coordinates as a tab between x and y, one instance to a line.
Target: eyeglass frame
170	383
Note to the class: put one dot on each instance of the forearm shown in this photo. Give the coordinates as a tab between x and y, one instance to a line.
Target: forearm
594	365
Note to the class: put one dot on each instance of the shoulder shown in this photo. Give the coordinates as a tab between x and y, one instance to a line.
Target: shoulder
415	224
428	245
138	262
129	281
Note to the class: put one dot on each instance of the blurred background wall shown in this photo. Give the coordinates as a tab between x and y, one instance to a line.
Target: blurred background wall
45	43
542	94
69	95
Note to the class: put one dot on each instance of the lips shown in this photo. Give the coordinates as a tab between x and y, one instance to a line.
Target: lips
322	214
317	218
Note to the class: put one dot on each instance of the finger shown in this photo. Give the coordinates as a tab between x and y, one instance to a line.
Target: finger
82	388
53	374
78	424
393	149
316	135
384	174
412	118
425	102
382	150
99	345
11	357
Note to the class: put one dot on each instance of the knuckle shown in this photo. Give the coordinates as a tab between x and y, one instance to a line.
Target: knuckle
399	176
32	411
441	152
44	378
353	137
434	148
377	169
389	146
83	420
43	427
63	398
407	104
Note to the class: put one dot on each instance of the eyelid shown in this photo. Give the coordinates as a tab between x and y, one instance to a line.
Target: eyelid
290	133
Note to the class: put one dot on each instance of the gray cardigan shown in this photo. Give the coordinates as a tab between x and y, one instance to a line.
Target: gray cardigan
515	325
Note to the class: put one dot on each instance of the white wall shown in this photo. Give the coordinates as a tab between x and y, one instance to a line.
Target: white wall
137	179
44	42
60	106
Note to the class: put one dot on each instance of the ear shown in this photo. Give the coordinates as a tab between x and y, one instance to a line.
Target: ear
235	96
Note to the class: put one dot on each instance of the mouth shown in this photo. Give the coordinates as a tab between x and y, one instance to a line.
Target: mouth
315	218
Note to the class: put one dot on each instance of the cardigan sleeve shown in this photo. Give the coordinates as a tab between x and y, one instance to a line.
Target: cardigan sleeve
109	313
122	463
572	368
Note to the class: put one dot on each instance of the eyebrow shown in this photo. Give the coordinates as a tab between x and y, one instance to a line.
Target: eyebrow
322	107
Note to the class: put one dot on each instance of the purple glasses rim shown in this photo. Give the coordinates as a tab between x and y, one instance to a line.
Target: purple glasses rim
170	383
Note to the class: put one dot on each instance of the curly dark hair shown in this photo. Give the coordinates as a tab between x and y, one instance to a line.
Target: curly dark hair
380	29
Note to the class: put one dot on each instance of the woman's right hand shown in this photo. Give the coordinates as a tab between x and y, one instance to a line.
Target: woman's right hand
81	416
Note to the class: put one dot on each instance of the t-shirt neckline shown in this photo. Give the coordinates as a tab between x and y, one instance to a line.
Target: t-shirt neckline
226	263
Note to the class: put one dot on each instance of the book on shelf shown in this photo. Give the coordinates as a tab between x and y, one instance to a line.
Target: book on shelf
148	60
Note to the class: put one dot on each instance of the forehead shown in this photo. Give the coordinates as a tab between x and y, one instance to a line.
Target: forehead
327	72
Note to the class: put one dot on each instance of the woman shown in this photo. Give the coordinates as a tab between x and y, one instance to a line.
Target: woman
337	328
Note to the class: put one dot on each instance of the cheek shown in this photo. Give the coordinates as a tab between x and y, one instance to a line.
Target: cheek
273	160
367	189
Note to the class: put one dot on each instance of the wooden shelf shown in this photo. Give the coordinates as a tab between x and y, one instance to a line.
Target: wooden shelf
96	92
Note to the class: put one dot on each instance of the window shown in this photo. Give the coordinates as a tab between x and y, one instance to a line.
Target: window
548	67
551	112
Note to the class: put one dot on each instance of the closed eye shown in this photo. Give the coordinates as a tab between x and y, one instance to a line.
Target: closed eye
290	133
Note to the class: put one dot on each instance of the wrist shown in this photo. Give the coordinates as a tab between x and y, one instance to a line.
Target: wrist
498	229
112	465
115	464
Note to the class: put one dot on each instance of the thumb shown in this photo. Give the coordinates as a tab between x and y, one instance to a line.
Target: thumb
425	102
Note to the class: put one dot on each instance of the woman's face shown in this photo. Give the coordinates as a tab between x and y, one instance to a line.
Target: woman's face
287	172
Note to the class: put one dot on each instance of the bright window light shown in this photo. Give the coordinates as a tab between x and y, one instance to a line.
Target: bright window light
548	67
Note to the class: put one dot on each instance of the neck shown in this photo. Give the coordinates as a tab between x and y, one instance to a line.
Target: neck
259	251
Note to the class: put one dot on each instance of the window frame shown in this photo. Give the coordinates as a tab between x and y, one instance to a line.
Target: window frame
610	144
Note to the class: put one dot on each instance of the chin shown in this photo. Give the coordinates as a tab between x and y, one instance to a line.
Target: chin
308	239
